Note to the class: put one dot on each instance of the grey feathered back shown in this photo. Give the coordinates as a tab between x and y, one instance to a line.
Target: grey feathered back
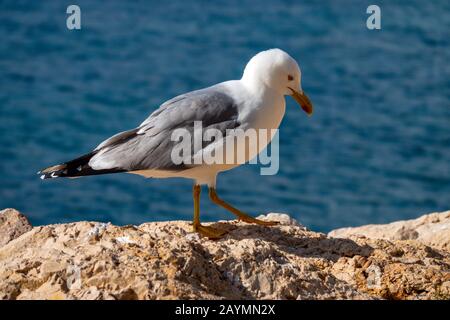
149	146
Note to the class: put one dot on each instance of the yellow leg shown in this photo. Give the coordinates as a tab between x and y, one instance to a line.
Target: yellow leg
205	231
240	215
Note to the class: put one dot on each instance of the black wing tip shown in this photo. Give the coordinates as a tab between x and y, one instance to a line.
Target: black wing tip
50	175
67	169
75	168
45	176
80	171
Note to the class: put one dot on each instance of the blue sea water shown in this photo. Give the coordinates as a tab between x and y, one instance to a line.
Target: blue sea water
376	150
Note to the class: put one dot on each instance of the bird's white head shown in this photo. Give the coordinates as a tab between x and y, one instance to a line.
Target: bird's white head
277	70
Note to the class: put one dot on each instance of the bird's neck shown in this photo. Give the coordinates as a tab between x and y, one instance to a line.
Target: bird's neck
257	87
269	105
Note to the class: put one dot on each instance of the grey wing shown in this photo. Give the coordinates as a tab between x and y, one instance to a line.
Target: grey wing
150	145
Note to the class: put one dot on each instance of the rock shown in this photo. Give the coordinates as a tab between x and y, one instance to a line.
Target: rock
12	225
282	218
164	260
432	229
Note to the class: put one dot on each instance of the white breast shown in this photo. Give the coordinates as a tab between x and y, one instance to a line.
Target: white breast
265	118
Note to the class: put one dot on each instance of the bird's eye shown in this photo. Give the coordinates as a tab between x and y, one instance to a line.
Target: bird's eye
290	78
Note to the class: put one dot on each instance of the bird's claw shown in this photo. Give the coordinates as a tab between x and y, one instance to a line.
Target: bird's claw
209	232
249	219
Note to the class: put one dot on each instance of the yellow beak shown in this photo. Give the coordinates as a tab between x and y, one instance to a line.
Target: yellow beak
303	101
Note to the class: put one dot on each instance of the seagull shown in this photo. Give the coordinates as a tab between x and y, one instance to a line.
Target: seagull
255	102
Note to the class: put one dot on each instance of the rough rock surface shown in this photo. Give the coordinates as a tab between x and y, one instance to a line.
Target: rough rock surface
432	229
164	260
12	225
